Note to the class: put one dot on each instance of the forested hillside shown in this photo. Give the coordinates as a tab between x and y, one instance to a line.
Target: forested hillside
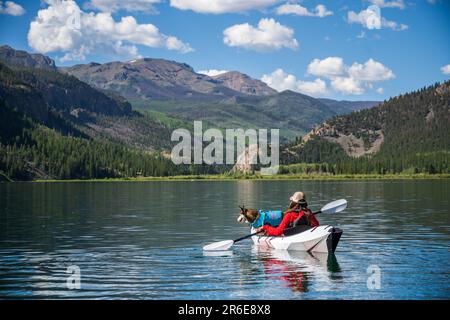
54	126
408	133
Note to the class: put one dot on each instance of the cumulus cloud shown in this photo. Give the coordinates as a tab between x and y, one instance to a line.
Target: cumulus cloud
296	9
280	81
348	80
446	69
314	88
212	72
370	71
221	6
370	18
64	27
393	25
389	4
329	68
347	85
269	35
127	5
354	79
11	8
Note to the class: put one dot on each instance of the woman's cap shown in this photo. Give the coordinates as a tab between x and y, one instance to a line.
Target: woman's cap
296	197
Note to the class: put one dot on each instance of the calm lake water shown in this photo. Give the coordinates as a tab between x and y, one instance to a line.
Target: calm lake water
143	241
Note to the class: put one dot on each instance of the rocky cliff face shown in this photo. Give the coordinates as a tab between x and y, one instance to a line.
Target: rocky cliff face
245	162
24	59
354	146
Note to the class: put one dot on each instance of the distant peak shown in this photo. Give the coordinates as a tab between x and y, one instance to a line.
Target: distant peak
231	73
243	83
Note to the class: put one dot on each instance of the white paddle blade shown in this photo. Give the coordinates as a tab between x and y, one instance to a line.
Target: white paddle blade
219	246
335	206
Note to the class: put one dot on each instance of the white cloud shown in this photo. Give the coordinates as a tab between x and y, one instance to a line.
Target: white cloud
127	5
393	25
11	8
354	79
173	43
212	72
280	81
370	18
221	6
269	35
348	80
63	26
330	67
296	9
347	85
446	69
389	4
315	88
370	71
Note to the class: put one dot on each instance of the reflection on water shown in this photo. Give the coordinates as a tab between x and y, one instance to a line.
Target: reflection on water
144	240
294	268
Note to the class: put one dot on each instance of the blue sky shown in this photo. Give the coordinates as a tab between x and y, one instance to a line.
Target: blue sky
333	52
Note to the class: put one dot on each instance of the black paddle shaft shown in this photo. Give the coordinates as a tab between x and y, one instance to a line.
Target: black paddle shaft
248	236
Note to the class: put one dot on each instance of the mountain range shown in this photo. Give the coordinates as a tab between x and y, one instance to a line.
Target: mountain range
228	100
134	106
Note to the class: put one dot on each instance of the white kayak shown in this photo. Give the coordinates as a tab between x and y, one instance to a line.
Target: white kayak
303	238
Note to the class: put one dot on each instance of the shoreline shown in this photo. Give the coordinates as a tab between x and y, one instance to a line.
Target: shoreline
262	178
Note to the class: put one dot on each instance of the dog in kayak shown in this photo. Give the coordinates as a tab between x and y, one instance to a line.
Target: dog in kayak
259	218
275	222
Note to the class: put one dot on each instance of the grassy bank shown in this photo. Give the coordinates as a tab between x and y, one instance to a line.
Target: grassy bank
273	177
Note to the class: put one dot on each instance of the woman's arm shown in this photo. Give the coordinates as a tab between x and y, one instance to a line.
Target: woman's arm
278	231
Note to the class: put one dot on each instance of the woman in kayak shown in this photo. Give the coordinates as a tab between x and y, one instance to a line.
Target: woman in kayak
297	214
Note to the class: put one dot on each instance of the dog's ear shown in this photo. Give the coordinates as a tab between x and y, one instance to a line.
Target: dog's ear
242	208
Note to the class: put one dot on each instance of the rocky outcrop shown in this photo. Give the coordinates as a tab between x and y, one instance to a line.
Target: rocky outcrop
352	145
245	162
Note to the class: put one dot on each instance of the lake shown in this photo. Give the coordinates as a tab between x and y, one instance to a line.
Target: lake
143	240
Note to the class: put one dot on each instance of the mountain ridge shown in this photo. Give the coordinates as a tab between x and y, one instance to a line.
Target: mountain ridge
407	132
25	59
227	100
